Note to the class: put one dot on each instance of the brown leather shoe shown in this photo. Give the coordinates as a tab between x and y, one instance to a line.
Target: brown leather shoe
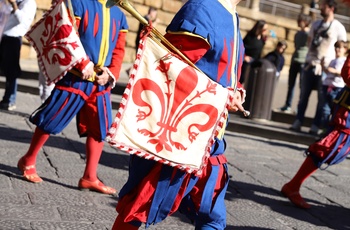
28	172
294	197
96	186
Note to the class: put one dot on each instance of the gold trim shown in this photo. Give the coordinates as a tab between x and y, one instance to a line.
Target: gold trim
105	35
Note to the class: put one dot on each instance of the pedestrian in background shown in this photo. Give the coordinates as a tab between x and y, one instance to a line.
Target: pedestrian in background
276	56
298	59
323	34
17	24
151	17
254	42
84	92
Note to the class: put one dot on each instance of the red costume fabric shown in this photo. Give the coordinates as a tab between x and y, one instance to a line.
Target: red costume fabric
102	32
154	190
335	146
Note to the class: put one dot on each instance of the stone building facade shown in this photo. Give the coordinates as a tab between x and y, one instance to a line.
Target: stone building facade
283	28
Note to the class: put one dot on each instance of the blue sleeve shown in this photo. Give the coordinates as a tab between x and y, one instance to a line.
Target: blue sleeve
119	16
194	18
77	8
124	22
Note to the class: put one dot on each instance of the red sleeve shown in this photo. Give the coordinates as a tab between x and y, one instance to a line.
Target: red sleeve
192	47
345	72
118	55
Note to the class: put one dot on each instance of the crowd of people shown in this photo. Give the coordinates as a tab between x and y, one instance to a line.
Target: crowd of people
155	190
323	34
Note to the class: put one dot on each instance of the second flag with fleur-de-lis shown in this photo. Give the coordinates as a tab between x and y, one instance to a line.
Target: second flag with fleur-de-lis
56	42
170	112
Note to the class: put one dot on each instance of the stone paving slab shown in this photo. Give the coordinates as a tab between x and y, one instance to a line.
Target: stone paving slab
258	167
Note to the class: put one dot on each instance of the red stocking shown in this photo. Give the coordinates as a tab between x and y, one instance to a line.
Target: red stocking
93	154
305	170
38	140
119	224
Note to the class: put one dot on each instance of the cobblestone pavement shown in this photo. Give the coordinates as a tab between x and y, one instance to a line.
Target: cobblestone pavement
258	168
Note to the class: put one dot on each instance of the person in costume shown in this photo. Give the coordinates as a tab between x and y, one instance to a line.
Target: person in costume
330	150
84	92
207	32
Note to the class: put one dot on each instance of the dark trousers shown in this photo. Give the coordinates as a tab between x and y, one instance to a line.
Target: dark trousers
10	49
295	69
309	82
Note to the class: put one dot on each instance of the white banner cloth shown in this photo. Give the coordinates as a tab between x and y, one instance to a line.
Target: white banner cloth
170	112
56	42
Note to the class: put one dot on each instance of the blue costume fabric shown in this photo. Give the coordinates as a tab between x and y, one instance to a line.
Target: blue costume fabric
200	198
334	147
98	31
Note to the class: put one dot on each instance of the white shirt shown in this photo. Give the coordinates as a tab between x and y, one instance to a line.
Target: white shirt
20	21
333	79
335	33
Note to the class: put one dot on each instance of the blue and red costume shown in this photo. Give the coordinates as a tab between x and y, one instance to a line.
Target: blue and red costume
332	149
207	32
102	33
335	146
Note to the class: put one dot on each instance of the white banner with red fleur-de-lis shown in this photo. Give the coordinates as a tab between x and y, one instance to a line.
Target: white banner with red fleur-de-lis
170	112
56	42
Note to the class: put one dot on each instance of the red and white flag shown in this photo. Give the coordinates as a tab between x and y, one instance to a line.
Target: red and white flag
56	42
170	112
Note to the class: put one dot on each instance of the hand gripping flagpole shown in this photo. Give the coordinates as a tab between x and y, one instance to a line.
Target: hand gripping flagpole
156	35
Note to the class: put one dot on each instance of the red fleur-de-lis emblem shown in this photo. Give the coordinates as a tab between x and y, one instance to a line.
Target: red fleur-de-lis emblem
178	99
54	37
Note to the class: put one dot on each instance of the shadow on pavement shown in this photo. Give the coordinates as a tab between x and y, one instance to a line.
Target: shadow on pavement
13	172
114	159
327	215
271	142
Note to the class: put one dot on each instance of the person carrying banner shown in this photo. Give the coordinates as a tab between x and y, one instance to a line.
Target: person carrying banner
16	25
84	92
207	32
